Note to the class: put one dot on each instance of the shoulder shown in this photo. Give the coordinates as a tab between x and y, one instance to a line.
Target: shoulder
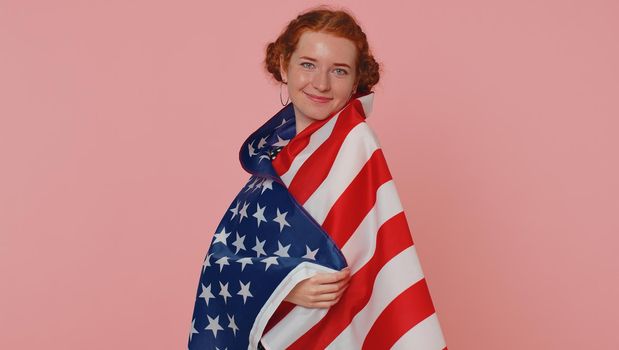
365	136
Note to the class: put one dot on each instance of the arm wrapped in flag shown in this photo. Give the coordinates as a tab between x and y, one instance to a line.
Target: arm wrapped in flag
325	200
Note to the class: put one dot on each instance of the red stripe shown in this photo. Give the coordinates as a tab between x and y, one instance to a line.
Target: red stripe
393	323
316	168
357	200
392	238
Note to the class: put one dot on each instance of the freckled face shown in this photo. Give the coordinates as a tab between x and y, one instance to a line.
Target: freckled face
320	76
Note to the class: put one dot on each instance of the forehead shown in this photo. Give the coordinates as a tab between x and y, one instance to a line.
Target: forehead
326	47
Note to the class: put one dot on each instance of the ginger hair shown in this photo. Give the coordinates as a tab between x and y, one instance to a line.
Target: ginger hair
322	19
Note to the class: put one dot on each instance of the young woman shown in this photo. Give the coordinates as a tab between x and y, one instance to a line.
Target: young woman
315	251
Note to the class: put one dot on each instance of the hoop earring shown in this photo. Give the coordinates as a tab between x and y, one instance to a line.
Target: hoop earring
280	95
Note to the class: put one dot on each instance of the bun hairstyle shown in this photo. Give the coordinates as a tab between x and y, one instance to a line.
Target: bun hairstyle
337	22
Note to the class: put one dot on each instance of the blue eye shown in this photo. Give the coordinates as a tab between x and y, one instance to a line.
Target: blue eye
344	72
304	64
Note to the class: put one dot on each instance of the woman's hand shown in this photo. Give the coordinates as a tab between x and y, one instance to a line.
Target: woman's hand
320	291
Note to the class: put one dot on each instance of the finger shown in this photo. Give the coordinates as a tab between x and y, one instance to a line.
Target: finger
332	277
326	297
332	287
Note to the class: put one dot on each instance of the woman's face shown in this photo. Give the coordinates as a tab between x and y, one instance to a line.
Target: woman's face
320	76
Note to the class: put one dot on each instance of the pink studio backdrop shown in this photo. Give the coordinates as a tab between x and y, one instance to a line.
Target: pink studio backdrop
120	123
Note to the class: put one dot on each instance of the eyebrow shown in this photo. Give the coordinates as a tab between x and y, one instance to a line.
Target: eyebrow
335	64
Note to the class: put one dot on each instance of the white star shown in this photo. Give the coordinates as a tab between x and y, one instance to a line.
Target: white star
222	236
221	262
281	219
206	293
239	243
259	247
250	184
280	125
250	147
213	325
258	185
243	211
262	142
281	142
310	254
235	210
193	329
224	292
264	156
271	260
259	214
282	251
232	324
245	291
268	183
207	262
244	262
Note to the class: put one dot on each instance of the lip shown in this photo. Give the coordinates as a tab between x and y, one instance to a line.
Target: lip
317	98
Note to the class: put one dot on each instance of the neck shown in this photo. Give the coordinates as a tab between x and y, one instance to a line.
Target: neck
301	121
300	124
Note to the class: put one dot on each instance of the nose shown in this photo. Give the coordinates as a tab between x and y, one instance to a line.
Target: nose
321	81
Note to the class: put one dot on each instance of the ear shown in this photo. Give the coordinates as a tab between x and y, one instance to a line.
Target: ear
282	69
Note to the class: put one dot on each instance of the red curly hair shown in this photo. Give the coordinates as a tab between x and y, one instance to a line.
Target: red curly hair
322	19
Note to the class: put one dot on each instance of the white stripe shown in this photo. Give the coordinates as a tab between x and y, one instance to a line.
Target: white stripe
367	103
359	249
296	323
355	151
401	272
302	271
426	335
316	139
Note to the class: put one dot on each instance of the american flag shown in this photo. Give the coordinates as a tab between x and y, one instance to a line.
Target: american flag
315	202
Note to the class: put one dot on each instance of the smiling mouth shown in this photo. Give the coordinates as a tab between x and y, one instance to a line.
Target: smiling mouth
317	98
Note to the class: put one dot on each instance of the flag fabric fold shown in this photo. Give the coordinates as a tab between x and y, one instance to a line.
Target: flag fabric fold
315	202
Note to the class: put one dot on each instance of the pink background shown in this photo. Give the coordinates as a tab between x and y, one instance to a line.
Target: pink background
120	123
